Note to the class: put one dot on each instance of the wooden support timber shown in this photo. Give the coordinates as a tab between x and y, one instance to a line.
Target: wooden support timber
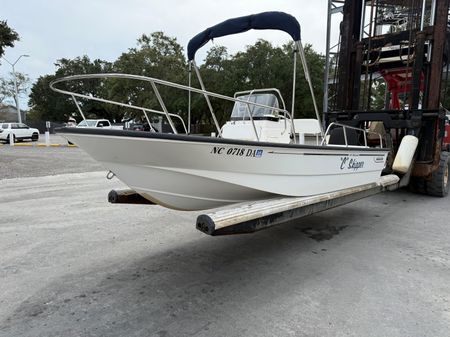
252	217
127	196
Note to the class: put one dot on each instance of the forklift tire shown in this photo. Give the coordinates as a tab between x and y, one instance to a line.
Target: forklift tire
438	185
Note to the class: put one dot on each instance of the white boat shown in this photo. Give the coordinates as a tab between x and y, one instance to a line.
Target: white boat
254	155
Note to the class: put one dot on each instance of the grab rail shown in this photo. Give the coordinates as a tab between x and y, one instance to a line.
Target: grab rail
365	133
250	115
153	82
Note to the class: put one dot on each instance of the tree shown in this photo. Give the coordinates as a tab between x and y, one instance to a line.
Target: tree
303	100
216	74
7	87
89	87
158	56
45	104
261	66
7	37
48	105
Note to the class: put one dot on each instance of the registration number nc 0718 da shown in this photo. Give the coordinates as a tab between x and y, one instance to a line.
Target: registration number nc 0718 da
237	151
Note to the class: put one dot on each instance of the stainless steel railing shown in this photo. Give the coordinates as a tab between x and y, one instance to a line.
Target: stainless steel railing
154	82
345	127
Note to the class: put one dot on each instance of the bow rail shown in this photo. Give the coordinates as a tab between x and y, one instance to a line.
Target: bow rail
154	82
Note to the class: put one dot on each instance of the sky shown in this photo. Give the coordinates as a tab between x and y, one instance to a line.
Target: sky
50	30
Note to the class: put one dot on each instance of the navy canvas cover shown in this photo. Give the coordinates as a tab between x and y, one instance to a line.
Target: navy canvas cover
266	20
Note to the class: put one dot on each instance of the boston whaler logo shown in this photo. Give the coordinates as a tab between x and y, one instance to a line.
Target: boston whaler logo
351	164
378	159
237	151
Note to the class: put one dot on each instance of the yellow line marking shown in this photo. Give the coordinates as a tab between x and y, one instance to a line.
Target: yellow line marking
22	144
40	145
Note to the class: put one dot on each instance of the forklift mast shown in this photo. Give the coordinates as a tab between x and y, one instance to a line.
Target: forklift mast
389	64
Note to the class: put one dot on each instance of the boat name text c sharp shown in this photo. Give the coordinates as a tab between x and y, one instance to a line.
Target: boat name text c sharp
237	151
351	164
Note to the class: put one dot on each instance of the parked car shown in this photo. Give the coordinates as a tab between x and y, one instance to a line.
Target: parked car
98	123
19	131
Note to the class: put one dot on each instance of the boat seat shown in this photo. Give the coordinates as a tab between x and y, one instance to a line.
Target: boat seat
337	137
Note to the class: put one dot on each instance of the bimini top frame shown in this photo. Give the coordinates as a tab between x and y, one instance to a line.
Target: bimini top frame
266	20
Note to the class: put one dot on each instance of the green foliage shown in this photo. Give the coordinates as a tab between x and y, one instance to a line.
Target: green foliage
217	76
303	102
48	105
378	95
156	56
7	37
261	66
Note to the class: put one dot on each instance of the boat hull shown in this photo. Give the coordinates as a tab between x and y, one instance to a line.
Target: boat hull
194	173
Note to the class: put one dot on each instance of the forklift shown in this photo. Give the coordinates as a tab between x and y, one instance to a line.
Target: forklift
389	71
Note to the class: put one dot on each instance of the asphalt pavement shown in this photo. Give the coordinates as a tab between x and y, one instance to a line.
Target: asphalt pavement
71	264
32	161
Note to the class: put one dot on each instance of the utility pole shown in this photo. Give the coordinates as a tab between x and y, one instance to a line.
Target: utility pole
16	91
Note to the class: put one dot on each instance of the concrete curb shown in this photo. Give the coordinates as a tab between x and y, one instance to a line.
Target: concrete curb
39	145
